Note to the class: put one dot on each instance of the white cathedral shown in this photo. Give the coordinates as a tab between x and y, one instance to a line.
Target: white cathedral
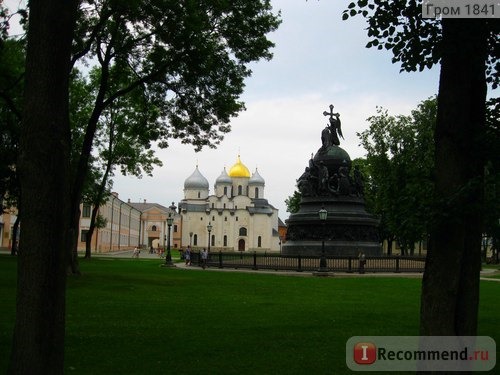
236	217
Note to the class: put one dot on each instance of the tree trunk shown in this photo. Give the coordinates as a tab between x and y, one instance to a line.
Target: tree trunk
81	172
90	233
100	194
450	286
43	166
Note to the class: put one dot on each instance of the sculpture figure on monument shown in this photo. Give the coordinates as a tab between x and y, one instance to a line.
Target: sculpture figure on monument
326	139
344	184
322	178
334	128
333	184
305	184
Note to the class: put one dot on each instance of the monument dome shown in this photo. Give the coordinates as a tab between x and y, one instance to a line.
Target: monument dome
239	169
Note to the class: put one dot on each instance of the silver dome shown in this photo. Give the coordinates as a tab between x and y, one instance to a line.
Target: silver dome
223	178
256	179
196	181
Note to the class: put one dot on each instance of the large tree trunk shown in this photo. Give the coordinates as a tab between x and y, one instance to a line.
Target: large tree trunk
43	166
450	288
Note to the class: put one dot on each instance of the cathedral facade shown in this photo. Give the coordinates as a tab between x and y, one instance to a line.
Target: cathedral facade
236	217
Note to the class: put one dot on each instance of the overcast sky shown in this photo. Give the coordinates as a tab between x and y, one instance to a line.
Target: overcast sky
318	60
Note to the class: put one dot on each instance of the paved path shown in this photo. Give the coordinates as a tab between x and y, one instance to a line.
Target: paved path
145	255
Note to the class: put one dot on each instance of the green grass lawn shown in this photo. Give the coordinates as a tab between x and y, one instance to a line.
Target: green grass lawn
129	316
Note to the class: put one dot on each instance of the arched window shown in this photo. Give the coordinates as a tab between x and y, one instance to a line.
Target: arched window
247	190
153	228
225	240
243	231
195	240
212	240
199	194
225	190
256	192
259	241
240	190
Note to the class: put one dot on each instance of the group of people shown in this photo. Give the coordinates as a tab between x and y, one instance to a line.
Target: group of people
186	255
203	254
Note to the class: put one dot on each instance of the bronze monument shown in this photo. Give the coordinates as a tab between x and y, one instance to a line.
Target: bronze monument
328	182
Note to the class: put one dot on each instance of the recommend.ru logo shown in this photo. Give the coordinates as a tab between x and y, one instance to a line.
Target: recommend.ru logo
421	353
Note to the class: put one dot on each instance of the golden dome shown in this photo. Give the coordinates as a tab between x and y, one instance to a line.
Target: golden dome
239	169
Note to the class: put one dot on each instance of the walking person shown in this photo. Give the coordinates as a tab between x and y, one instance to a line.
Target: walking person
362	262
187	256
204	258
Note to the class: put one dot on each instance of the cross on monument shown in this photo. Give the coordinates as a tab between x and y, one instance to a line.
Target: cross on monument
331	114
329	135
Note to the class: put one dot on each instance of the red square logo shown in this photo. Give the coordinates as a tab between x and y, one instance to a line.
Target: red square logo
365	353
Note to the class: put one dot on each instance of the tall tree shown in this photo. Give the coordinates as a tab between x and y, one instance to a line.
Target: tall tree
43	166
450	289
186	62
188	59
124	137
468	50
400	152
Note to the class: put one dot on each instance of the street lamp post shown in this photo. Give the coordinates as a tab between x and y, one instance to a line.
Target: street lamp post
168	259
209	228
170	221
322	262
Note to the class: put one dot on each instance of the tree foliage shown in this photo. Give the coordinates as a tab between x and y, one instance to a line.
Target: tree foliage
293	202
415	42
187	58
399	165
